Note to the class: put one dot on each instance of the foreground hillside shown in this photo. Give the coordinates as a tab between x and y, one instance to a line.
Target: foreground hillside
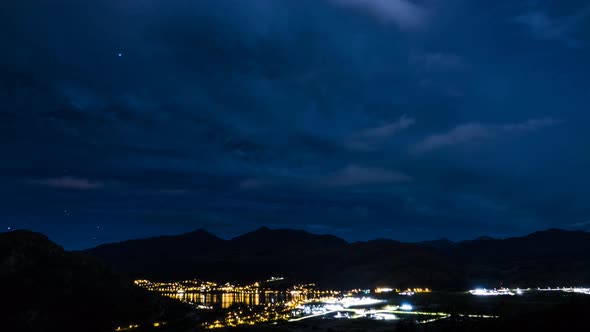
45	288
543	258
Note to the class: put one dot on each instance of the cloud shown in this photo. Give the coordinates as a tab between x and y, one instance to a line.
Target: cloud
531	125
543	27
470	132
477	132
358	176
370	139
403	13
69	182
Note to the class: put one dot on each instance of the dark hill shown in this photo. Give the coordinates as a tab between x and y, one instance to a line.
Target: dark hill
286	239
45	288
252	256
440	244
552	257
165	254
296	254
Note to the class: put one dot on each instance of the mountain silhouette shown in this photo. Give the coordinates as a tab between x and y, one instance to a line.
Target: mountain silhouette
552	257
45	288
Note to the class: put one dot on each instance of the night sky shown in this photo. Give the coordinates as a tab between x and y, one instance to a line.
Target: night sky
403	119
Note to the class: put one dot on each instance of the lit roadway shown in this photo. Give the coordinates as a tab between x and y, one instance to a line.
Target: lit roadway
362	313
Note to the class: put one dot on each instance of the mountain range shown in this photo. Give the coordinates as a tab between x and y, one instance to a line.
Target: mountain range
547	258
50	289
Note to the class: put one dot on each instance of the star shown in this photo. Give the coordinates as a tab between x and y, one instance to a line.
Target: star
9	228
119	54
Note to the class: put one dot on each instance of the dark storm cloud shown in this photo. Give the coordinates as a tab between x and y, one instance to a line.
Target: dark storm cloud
417	119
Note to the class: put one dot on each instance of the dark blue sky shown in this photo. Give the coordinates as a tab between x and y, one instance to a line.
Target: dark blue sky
405	119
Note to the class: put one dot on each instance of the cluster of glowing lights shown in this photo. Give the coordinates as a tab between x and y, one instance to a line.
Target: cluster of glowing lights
250	316
349	305
406	292
383	290
578	290
331	304
496	292
193	285
136	326
341	315
277	311
381	313
519	291
348	302
352	304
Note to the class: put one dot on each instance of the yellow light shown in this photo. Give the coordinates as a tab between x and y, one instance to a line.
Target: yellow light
156	324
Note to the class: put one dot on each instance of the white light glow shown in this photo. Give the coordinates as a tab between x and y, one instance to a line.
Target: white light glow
406	307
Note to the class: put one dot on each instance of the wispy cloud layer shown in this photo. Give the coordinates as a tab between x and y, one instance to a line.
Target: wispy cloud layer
372	138
403	13
461	134
477	132
354	175
69	182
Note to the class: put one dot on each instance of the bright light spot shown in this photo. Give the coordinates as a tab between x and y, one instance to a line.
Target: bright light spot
333	307
383	290
353	301
340	315
479	291
385	316
491	292
406	307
